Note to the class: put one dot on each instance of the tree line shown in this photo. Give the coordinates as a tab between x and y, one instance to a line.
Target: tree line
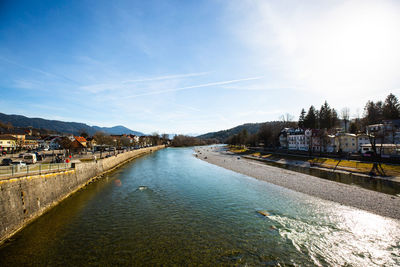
268	134
325	118
184	141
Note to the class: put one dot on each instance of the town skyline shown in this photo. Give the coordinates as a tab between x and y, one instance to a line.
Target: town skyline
194	67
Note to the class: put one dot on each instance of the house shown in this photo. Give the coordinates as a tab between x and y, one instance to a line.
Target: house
91	142
59	142
81	140
8	143
30	142
76	146
346	142
384	150
20	135
318	140
387	132
297	140
362	139
331	144
134	138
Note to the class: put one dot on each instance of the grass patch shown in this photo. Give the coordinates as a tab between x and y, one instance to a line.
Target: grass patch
238	150
86	160
364	167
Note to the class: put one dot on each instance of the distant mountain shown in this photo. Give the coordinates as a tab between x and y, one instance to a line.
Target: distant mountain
117	130
61	126
251	128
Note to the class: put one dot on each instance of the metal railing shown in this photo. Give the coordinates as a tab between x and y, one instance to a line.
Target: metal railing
29	169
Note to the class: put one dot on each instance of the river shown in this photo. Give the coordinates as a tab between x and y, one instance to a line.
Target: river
170	208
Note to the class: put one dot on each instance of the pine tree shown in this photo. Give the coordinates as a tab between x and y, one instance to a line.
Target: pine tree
310	120
391	107
373	112
302	118
325	116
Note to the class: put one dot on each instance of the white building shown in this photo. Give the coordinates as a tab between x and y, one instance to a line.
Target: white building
362	139
346	142
297	140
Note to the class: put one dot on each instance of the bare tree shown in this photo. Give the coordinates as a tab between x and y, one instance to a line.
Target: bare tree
345	114
286	117
376	163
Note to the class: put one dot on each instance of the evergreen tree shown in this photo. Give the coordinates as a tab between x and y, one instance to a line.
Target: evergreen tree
391	108
302	118
373	112
353	128
310	120
325	116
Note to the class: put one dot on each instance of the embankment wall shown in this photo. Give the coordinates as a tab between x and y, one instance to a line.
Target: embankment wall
23	199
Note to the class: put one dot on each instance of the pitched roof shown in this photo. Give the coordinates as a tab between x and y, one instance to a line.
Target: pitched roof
80	139
7	137
75	144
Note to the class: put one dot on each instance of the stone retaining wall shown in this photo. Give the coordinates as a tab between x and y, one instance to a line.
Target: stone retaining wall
24	199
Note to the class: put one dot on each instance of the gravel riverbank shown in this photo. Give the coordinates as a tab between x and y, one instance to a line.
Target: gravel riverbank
378	203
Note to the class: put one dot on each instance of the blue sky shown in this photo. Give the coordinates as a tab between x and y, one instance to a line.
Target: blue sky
194	66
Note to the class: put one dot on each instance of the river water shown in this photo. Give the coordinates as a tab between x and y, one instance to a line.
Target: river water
170	208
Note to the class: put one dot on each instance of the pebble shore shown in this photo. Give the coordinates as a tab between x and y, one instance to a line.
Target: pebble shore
349	195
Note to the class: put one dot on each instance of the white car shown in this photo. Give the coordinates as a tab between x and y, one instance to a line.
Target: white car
19	163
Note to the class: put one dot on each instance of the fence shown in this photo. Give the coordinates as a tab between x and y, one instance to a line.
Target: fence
18	170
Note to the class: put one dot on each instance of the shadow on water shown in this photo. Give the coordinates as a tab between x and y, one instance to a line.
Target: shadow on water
370	183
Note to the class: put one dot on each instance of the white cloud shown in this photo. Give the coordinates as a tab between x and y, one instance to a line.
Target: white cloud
129	83
163	91
347	52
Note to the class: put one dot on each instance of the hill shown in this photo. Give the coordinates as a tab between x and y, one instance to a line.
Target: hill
251	128
62	126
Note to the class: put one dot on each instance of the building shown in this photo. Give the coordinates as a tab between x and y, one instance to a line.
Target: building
8	143
346	142
387	132
30	142
297	140
318	140
331	144
81	140
75	146
91	142
20	135
384	150
362	139
134	138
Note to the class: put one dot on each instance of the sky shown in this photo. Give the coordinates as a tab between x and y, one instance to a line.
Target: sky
193	67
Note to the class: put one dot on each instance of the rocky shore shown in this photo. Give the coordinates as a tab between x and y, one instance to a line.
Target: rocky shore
350	195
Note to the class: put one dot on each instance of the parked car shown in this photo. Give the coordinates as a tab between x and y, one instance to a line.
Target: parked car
6	162
30	158
19	163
